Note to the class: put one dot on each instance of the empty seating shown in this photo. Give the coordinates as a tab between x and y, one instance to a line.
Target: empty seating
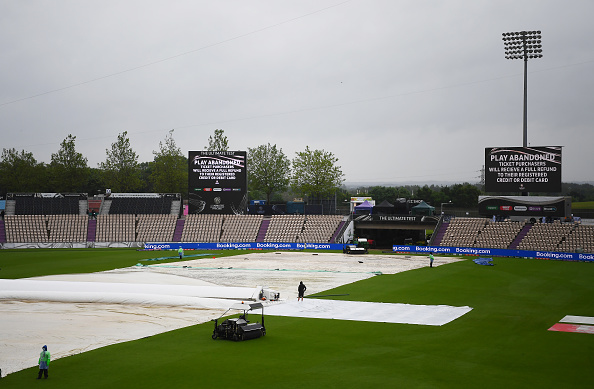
546	236
319	228
498	235
26	228
463	232
115	228
241	228
67	228
155	228
581	238
284	228
202	228
460	232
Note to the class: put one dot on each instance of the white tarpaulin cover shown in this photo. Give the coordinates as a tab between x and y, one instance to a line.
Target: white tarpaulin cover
121	293
433	315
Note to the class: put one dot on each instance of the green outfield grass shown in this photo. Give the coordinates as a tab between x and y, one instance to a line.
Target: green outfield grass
502	343
21	263
583	205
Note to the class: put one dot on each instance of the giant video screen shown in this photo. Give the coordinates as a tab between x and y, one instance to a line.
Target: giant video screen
217	182
523	169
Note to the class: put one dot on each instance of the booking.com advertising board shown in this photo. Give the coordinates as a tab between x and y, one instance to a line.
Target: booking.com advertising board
493	252
397	249
243	246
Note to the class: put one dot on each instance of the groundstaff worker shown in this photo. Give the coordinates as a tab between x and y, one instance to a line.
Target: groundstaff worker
301	289
44	361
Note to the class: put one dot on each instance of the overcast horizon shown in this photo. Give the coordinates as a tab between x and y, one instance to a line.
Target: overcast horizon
399	91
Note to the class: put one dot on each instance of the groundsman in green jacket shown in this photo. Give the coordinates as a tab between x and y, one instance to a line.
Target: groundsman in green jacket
44	361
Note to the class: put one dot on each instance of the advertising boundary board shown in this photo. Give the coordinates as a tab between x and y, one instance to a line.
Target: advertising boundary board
397	249
493	252
244	246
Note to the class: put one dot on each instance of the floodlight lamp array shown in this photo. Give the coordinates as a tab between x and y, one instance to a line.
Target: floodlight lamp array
522	45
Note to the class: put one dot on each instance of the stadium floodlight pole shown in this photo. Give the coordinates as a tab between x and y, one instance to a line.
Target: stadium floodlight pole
523	45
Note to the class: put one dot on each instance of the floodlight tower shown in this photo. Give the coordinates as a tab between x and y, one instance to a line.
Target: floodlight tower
523	45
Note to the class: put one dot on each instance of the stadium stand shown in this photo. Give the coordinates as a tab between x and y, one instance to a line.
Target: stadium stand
26	228
284	228
115	228
319	228
241	228
581	238
49	219
498	235
463	232
155	228
546	236
483	233
67	228
202	228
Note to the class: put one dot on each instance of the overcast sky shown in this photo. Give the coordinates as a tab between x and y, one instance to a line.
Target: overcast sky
400	91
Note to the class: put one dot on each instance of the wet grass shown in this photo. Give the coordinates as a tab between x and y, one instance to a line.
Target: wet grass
21	263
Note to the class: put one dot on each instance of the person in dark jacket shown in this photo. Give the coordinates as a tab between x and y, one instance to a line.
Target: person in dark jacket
301	289
44	361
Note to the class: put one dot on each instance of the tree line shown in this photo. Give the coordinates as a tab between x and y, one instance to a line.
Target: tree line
311	173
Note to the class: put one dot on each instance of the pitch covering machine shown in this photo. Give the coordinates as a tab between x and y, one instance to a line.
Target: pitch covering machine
240	328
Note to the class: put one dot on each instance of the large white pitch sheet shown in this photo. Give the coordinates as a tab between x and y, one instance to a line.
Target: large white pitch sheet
433	315
119	293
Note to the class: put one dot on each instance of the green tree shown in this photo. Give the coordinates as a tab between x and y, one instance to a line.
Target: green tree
268	170
94	184
381	193
217	142
146	170
426	194
121	169
170	168
315	173
464	195
20	172
68	169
